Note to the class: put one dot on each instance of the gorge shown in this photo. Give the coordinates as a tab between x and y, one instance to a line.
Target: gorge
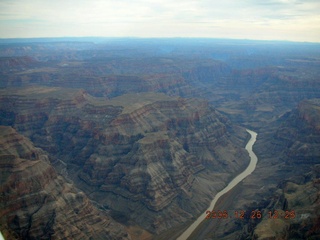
144	133
251	167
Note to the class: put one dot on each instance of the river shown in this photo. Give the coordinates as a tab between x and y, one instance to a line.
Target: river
251	167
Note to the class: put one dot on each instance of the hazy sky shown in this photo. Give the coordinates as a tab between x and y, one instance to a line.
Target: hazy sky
295	20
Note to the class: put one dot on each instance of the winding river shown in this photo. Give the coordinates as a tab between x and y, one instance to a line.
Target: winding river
232	184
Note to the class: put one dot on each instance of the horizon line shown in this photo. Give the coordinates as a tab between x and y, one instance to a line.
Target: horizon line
159	38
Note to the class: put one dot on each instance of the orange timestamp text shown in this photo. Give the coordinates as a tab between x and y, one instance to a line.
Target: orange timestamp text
254	214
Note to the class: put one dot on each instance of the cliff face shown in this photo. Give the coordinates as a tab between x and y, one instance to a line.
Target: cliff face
284	187
250	88
153	155
152	151
60	121
301	133
296	197
292	212
142	151
17	63
37	203
156	161
289	166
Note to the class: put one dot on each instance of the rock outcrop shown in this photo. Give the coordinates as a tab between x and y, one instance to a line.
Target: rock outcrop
146	150
17	63
296	197
300	133
153	150
155	161
38	203
284	187
293	211
289	166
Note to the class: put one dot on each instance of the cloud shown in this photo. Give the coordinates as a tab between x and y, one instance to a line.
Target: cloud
209	18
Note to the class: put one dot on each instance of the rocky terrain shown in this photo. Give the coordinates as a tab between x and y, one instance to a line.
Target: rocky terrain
38	203
149	130
144	151
288	177
300	192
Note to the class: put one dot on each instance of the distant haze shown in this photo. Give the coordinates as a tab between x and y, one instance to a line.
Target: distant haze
293	20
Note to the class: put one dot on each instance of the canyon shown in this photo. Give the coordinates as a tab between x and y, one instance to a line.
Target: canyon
36	202
287	183
143	133
146	151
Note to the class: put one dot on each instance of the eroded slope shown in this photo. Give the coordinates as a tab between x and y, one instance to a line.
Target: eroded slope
152	159
38	203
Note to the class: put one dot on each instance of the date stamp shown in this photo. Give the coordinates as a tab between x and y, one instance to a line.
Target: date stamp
254	214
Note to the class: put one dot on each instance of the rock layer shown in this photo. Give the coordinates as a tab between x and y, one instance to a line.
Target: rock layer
289	170
37	203
147	149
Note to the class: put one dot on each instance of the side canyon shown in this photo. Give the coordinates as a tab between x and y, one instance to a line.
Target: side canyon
133	138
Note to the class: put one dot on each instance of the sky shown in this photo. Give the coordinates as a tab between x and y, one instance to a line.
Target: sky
292	20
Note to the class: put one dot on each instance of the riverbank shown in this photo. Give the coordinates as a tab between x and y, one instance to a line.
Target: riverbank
251	167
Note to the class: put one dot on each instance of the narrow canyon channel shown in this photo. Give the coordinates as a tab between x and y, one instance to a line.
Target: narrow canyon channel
251	167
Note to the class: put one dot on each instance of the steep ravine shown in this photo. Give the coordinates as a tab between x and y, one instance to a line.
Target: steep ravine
250	168
286	180
38	203
151	160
